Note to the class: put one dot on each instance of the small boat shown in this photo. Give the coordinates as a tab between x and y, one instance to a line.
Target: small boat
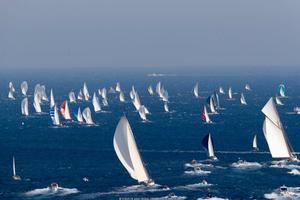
15	176
207	144
54	187
80	95
297	110
128	153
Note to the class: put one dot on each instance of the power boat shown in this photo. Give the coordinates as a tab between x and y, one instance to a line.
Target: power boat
54	187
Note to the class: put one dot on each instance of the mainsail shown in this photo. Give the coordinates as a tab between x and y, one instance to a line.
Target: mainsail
282	90
36	104
274	132
24	106
128	153
85	91
96	103
204	115
79	116
24	88
65	111
52	101
87	116
196	90
243	100
207	143
118	87
230	93
72	97
54	116
254	143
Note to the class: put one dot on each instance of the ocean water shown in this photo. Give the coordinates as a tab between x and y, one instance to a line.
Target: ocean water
167	142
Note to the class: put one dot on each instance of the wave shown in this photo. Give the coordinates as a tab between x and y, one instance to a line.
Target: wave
48	192
246	165
126	190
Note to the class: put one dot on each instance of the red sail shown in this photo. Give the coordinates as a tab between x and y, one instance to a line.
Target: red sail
62	108
203	117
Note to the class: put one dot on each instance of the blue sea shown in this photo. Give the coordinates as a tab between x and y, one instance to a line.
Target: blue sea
167	142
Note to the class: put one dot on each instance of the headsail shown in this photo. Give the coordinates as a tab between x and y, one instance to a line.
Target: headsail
79	116
65	111
36	104
243	100
118	87
207	143
87	116
85	91
274	132
96	103
52	101
24	107
128	153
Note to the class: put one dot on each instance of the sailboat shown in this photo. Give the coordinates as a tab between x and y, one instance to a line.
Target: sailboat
121	97
118	87
87	116
274	133
80	95
221	90
15	176
136	101
142	113
278	101
24	107
254	144
72	97
24	88
52	101
166	107
230	93
150	90
11	94
65	111
196	90
282	90
211	104
11	87
207	143
79	116
128	153
243	100
85	91
204	115
55	116
36	104
247	87
96	103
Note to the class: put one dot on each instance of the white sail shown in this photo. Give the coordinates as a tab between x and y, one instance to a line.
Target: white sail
121	97
204	115
230	93
164	95
24	107
158	88
196	90
118	87
247	87
80	95
282	90
11	94
150	90
278	101
104	93
146	110
254	143
85	91
52	101
131	94
136	101
65	111
211	152
274	132
104	102
24	88
128	153
166	107
96	103
43	93
221	90
212	106
14	167
72	97
79	115
87	116
55	116
11	87
36	104
243	100
142	113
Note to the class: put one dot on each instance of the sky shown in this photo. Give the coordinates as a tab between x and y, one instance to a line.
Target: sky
154	34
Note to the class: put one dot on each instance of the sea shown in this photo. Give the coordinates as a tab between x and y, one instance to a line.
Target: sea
168	142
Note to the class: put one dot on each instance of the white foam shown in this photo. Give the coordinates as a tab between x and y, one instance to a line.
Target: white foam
246	165
43	192
212	198
291	193
196	172
294	172
189	165
195	186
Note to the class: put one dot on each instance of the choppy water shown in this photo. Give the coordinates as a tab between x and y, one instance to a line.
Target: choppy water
170	140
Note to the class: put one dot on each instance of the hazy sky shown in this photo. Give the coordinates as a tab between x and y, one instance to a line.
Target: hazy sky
153	33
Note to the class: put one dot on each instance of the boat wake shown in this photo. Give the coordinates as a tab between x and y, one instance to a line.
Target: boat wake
48	192
126	190
195	186
197	172
288	193
246	165
294	172
211	198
